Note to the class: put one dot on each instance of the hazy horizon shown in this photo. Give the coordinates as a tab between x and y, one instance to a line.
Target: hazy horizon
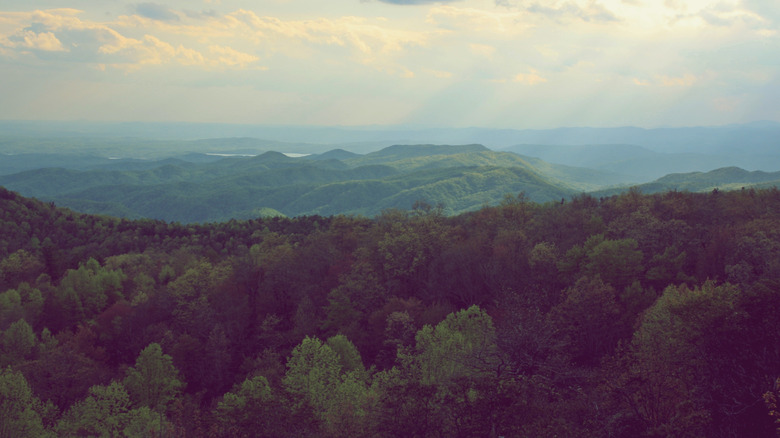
507	64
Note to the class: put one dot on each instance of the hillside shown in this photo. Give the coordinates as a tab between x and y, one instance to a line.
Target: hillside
727	178
461	178
596	317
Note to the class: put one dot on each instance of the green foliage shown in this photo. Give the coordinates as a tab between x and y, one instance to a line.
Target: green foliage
153	381
461	177
617	262
463	345
18	343
21	265
313	371
21	413
349	356
682	355
596	317
88	290
589	318
249	409
107	412
339	399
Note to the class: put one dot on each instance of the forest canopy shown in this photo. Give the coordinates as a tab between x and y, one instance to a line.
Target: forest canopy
628	315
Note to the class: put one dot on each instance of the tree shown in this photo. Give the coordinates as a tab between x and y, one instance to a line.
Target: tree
463	345
699	362
21	413
107	412
339	400
618	262
349	356
153	381
18	343
247	409
589	318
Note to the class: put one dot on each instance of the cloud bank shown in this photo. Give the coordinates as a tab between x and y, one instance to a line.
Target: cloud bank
467	62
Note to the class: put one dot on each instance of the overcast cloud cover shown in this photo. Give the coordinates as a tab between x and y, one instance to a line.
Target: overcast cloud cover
491	63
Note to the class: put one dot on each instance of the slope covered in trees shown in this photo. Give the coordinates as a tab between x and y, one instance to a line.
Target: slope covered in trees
725	178
633	315
464	178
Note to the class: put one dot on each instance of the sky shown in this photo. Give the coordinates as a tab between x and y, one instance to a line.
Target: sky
519	64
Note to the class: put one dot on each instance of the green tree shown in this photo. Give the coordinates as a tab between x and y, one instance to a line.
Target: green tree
21	413
693	364
589	318
463	345
18	343
314	376
153	381
107	412
349	356
10	307
617	262
87	291
19	266
313	371
247	409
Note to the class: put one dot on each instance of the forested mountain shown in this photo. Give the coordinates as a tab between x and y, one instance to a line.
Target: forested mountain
727	178
630	315
462	178
198	187
636	164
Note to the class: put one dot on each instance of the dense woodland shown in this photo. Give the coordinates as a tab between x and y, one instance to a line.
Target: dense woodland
630	315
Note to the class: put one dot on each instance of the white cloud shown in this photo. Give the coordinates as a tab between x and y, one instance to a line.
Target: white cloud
685	80
45	41
530	78
484	50
478	20
439	73
611	51
662	80
231	57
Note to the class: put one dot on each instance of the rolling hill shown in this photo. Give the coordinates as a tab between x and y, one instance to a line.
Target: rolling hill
726	178
198	187
461	178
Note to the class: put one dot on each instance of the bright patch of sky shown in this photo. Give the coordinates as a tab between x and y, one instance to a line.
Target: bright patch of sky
491	63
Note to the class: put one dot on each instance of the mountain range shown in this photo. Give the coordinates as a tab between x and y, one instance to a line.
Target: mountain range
214	179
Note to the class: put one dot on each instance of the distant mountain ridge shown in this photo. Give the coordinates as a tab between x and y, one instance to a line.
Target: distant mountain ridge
758	138
461	177
726	178
197	180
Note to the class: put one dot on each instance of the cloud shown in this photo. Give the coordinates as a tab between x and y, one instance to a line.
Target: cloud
592	12
685	80
439	73
680	81
482	50
479	20
724	15
530	78
30	39
369	42
769	10
134	54
106	45
155	11
557	10
416	2
231	57
727	104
